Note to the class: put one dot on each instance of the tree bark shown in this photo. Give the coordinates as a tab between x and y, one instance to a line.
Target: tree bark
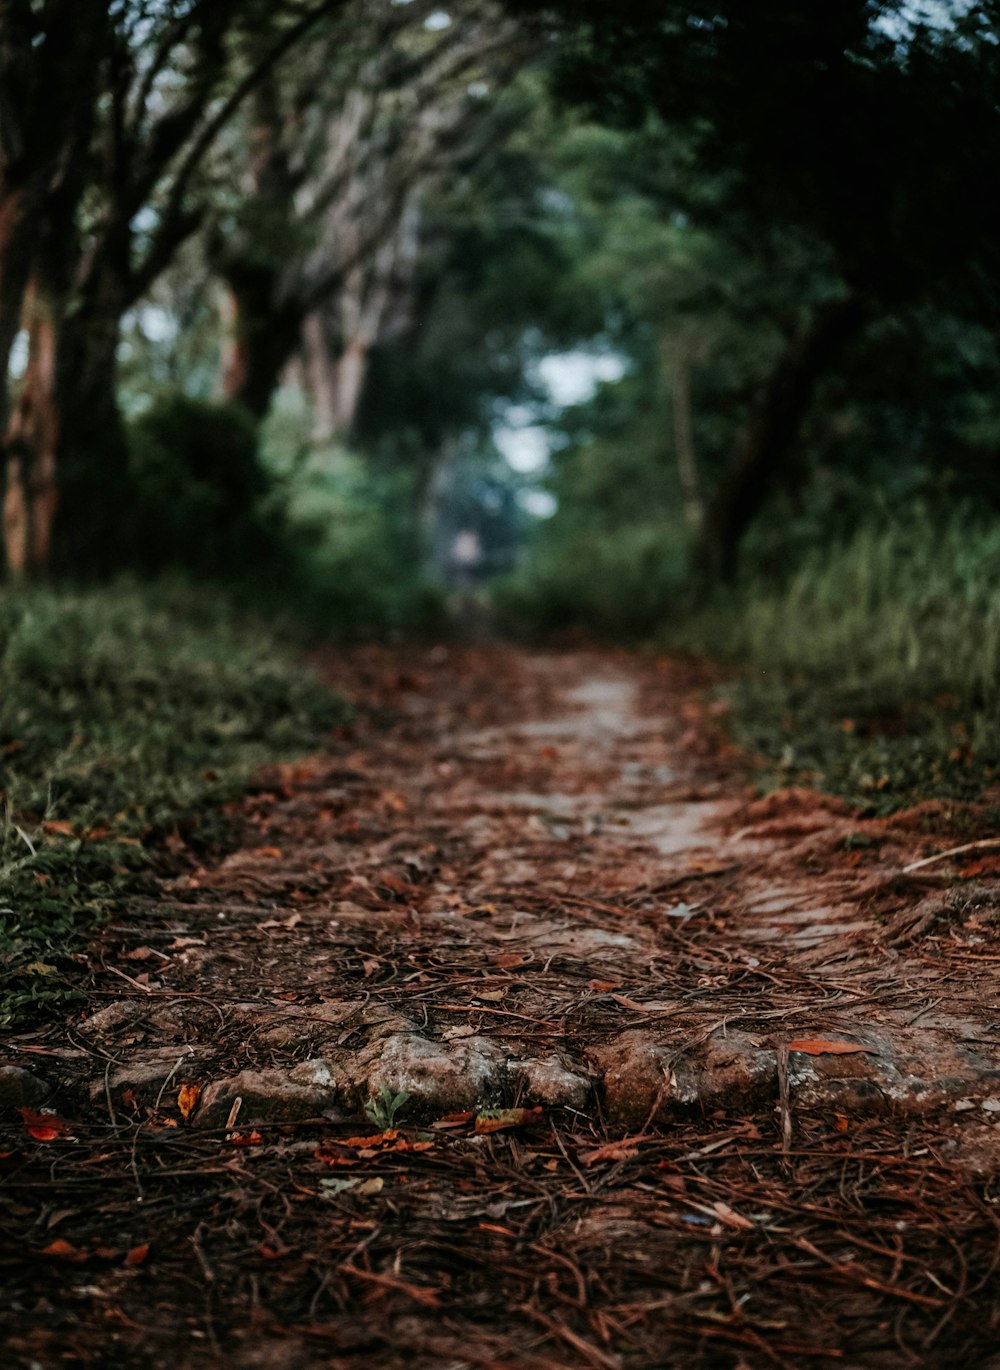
263	335
92	532
766	447
31	493
679	360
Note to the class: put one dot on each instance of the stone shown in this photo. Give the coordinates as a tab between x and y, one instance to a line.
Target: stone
270	1096
20	1089
551	1082
638	1077
437	1075
106	1021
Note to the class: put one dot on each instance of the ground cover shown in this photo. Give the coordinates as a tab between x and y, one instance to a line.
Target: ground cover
872	670
519	1030
126	716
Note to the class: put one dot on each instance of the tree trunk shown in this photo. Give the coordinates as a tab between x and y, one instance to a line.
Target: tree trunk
92	535
263	334
31	494
679	360
768	443
15	270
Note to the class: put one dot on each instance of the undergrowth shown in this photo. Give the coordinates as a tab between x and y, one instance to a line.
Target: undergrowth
873	671
125	714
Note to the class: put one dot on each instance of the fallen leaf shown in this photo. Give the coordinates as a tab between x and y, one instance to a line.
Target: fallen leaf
187	1099
137	1255
454	1120
628	1003
500	1119
58	826
44	1127
604	986
356	1184
841	1122
266	853
819	1048
64	1250
624	1150
245	1138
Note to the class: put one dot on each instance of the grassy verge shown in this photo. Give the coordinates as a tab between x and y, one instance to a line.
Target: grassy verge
874	671
124	712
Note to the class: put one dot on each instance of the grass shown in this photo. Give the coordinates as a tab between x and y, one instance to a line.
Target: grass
874	670
124	713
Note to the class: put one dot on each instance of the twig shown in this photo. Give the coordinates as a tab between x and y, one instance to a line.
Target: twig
952	851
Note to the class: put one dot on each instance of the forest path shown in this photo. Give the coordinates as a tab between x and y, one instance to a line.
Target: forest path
534	893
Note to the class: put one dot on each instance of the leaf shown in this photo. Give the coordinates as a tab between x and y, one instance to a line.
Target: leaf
625	1150
454	1120
334	1186
187	1099
44	1127
245	1138
138	1254
64	1250
500	1119
628	1003
58	826
604	986
820	1048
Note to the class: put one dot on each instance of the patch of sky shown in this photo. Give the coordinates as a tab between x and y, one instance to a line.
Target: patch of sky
524	433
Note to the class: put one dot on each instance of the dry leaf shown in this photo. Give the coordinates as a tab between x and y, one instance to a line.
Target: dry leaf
625	1150
64	1251
604	986
819	1048
499	1119
44	1127
137	1255
187	1099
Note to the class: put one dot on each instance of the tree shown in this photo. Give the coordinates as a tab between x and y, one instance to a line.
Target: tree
318	253
872	144
147	89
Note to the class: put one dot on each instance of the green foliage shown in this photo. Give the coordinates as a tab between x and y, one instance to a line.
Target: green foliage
123	713
873	669
353	527
200	490
382	1111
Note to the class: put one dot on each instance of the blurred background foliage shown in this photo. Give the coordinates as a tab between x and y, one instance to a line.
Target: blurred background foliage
668	323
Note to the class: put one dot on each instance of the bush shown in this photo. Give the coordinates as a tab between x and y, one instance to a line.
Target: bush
874	668
201	492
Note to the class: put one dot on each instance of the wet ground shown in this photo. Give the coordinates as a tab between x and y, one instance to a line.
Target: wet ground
656	1072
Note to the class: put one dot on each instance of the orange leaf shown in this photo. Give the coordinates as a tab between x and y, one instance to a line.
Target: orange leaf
59	826
454	1120
44	1127
811	1048
604	986
138	1254
499	1119
624	1150
64	1251
187	1099
245	1138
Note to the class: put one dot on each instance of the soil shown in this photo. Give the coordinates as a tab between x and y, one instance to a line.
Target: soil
657	1072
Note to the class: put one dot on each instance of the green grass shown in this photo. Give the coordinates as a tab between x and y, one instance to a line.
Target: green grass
124	712
874	671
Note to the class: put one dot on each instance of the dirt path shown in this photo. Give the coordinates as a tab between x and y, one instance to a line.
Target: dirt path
536	896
